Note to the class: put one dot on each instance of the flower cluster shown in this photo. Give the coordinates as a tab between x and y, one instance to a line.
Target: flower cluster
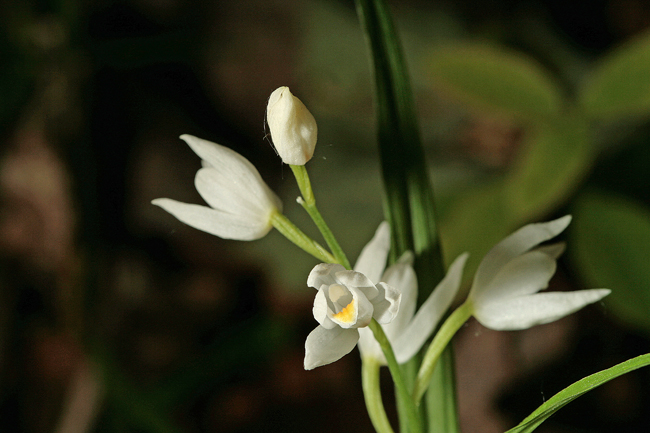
350	304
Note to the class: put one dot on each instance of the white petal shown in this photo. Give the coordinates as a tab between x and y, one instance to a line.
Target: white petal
554	251
324	346
235	171
369	347
321	309
386	309
222	192
216	222
323	274
359	280
372	260
410	341
403	278
523	275
526	311
517	243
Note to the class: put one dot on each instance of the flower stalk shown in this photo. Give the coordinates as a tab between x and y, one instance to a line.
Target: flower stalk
437	346
308	202
413	417
298	237
372	395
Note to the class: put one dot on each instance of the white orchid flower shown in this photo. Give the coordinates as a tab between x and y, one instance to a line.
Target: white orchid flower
293	128
241	204
504	291
346	301
409	331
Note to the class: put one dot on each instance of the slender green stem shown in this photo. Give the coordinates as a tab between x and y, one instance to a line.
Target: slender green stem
295	235
372	395
441	406
414	420
309	203
437	346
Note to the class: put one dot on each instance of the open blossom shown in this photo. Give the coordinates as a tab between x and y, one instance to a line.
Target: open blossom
504	291
241	204
409	330
345	302
293	128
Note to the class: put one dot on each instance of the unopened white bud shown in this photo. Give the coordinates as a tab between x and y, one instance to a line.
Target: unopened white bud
293	128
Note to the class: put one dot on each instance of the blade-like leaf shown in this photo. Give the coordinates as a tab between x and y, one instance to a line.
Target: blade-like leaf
408	197
610	245
567	395
495	79
620	84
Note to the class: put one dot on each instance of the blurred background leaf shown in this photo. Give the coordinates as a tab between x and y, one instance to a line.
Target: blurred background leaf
610	246
493	78
619	84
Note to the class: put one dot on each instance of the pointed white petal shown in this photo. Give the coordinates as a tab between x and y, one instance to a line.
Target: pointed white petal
323	274
517	243
215	222
554	251
410	341
526	311
403	278
223	192
368	346
523	275
324	346
372	260
386	309
234	169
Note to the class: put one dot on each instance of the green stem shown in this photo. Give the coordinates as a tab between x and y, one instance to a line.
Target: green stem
372	395
295	235
441	405
437	346
309	203
414	420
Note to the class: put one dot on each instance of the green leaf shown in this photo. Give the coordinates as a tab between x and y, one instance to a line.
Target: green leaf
552	163
491	78
408	197
567	395
620	84
610	245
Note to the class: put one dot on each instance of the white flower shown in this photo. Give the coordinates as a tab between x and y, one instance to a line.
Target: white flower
504	292
241	204
293	128
346	301
408	331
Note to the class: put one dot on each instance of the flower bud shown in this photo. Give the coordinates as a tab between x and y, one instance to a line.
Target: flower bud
293	128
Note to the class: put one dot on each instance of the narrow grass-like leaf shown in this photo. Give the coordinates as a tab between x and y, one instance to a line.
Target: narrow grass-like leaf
408	197
567	395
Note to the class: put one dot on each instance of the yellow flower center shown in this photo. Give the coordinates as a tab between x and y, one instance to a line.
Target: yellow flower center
346	315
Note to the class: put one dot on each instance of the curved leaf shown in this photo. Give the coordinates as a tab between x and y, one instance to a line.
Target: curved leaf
610	246
620	85
493	78
567	395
